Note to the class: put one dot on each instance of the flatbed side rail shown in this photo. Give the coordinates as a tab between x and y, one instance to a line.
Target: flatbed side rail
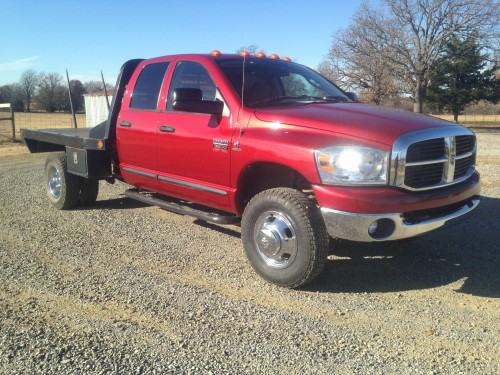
57	140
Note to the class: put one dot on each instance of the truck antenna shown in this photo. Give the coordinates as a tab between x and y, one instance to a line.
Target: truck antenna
242	89
105	90
71	100
237	144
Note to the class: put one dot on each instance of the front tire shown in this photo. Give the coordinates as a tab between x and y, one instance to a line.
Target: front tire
62	187
284	237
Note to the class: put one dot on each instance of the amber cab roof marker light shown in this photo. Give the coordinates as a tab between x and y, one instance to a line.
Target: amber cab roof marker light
260	54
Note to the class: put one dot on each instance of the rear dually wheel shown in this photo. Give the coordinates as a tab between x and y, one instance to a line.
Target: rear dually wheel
62	187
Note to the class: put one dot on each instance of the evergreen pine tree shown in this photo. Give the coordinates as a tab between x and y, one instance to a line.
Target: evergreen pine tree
462	76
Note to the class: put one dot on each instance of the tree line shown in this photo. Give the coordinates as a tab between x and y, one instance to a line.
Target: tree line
438	54
47	92
443	54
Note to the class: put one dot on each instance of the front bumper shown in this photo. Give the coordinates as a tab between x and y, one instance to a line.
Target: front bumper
391	226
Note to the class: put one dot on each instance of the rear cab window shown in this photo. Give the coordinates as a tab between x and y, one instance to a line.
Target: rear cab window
148	86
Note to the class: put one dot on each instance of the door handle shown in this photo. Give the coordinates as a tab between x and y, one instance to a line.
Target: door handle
125	124
167	129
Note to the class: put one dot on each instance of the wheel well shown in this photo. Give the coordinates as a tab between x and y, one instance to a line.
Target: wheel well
262	176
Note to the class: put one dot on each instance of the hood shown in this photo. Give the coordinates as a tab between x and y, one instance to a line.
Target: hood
377	124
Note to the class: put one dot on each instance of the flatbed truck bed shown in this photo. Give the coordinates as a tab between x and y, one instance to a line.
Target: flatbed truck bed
57	139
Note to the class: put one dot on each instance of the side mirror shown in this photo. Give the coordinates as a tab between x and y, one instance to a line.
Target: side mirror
352	95
191	100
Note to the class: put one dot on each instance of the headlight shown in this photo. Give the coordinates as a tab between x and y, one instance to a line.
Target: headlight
352	165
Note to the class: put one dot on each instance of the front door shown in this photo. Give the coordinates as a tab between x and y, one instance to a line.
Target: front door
194	148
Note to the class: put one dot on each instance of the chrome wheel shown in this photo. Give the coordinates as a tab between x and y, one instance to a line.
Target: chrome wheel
284	237
54	182
62	187
275	240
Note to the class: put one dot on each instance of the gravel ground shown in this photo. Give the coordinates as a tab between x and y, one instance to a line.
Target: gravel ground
124	288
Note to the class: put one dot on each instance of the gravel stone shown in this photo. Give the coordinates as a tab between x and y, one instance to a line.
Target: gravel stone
124	288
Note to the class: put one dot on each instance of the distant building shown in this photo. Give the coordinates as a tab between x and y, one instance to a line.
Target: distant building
96	108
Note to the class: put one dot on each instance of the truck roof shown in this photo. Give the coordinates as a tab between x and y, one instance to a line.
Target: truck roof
217	55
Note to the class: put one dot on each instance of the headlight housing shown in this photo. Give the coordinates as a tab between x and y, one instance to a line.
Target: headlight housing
352	165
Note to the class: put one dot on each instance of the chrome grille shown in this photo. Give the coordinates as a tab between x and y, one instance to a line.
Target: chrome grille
433	158
419	176
425	150
463	165
465	143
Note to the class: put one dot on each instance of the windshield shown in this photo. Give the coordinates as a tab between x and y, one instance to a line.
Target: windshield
276	82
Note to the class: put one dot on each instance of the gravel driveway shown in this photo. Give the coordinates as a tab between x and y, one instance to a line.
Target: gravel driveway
124	288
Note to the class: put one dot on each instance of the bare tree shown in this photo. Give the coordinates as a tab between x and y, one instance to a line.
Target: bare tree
29	82
5	94
407	36
77	91
96	86
424	27
51	92
14	95
329	70
352	63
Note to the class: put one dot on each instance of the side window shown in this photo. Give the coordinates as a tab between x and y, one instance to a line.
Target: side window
190	74
148	85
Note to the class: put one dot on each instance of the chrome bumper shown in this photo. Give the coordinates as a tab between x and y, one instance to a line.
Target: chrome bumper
392	226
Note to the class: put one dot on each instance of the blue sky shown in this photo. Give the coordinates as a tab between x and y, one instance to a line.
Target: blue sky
89	36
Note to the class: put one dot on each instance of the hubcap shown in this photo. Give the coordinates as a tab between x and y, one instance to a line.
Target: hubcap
275	239
54	182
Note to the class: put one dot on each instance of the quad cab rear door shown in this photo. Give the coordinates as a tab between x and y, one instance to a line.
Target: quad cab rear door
137	125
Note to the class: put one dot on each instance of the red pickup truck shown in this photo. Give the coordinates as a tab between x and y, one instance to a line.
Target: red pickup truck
271	145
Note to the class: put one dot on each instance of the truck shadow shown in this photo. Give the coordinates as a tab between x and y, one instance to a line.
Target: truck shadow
466	253
218	228
122	203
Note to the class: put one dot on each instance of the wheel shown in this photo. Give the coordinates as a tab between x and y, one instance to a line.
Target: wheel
89	189
62	187
284	237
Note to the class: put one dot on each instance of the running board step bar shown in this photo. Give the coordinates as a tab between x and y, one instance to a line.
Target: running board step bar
174	205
